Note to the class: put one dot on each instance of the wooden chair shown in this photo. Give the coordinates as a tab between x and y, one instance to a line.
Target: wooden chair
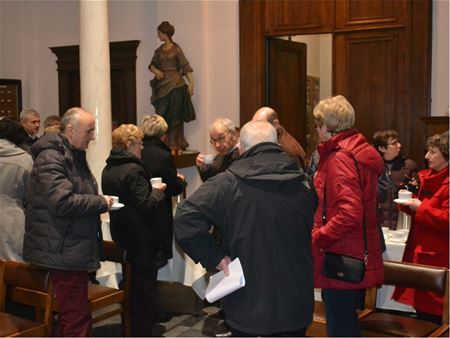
318	326
416	276
27	285
106	302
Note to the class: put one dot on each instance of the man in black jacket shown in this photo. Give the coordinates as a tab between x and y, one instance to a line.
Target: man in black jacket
263	206
62	220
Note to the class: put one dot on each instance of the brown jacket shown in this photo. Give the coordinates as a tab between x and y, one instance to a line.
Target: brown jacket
291	146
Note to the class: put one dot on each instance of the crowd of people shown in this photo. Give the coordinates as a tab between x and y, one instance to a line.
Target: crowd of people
260	201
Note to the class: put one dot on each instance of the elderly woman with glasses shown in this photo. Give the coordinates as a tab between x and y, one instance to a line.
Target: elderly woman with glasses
428	240
399	172
133	226
224	137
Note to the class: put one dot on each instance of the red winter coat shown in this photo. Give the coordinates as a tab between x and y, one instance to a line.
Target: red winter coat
428	239
343	232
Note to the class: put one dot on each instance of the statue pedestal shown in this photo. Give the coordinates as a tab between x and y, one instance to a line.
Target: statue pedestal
185	158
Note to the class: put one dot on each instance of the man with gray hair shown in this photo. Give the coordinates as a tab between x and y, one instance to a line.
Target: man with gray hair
224	138
30	121
62	219
263	206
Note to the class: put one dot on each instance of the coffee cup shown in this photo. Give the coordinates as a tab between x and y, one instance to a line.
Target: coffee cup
115	199
208	158
155	181
404	195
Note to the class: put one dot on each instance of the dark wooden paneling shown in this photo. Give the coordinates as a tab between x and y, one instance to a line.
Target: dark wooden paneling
251	57
392	90
356	14
123	79
287	85
284	17
371	75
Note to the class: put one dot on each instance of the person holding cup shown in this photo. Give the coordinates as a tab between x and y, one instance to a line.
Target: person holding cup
428	240
133	227
224	137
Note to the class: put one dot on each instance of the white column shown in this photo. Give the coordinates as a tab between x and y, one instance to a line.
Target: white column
95	79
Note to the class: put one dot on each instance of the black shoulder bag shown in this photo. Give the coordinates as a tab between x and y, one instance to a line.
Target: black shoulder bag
341	267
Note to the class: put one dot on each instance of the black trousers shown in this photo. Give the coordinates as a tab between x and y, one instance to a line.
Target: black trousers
142	300
340	311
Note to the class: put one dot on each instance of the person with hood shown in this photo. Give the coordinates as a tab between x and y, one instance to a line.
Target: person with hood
346	185
15	168
134	226
62	218
428	239
263	206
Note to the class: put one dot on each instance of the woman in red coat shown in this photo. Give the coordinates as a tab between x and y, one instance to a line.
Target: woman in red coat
348	198
428	239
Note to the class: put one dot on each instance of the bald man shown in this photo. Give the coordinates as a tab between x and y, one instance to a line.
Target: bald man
263	206
62	219
286	140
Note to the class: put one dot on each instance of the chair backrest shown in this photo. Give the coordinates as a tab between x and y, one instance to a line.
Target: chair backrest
422	277
114	253
415	276
29	285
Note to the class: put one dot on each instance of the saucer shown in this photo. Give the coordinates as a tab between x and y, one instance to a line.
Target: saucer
117	206
399	201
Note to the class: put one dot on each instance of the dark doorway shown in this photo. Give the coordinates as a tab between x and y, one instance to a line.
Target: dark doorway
286	85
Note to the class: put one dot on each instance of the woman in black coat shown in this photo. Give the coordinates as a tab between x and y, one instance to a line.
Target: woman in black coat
159	162
133	227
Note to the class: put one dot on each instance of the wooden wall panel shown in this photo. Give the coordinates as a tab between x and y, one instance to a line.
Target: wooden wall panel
252	57
285	17
355	14
370	73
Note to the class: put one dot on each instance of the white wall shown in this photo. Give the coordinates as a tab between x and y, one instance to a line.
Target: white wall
440	59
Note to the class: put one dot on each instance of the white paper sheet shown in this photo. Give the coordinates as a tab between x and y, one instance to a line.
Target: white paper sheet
221	285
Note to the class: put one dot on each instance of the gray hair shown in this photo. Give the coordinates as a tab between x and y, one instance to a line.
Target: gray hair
71	116
26	112
255	132
336	113
154	126
227	123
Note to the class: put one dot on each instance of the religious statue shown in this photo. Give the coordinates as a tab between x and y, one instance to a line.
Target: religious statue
171	96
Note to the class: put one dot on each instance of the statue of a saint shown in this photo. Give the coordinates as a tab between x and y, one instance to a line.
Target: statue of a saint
171	96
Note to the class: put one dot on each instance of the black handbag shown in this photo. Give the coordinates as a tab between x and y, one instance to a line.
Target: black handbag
341	267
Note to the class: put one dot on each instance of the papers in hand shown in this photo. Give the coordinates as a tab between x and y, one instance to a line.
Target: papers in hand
221	285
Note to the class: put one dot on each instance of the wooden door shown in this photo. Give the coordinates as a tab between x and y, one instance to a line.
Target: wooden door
287	85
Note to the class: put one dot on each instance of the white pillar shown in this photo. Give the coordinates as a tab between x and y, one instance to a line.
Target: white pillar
95	79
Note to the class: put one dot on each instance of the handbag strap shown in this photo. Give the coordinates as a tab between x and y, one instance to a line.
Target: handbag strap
324	208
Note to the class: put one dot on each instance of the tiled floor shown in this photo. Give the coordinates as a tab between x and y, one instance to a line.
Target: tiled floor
180	325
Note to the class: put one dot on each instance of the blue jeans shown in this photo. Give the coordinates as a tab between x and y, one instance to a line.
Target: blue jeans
340	311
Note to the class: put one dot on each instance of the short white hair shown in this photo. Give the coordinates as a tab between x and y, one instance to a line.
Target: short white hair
27	112
255	132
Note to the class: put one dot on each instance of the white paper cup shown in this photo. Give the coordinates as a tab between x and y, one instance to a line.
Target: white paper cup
115	199
404	195
208	158
155	180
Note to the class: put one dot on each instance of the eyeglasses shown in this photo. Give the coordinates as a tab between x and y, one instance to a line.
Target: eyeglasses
219	140
393	143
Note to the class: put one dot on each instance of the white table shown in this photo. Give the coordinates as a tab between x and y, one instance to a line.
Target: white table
394	252
180	268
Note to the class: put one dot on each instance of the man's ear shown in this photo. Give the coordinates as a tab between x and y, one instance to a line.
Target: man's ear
241	150
382	149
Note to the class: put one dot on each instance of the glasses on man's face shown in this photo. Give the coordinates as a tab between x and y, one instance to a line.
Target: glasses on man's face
393	143
219	140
